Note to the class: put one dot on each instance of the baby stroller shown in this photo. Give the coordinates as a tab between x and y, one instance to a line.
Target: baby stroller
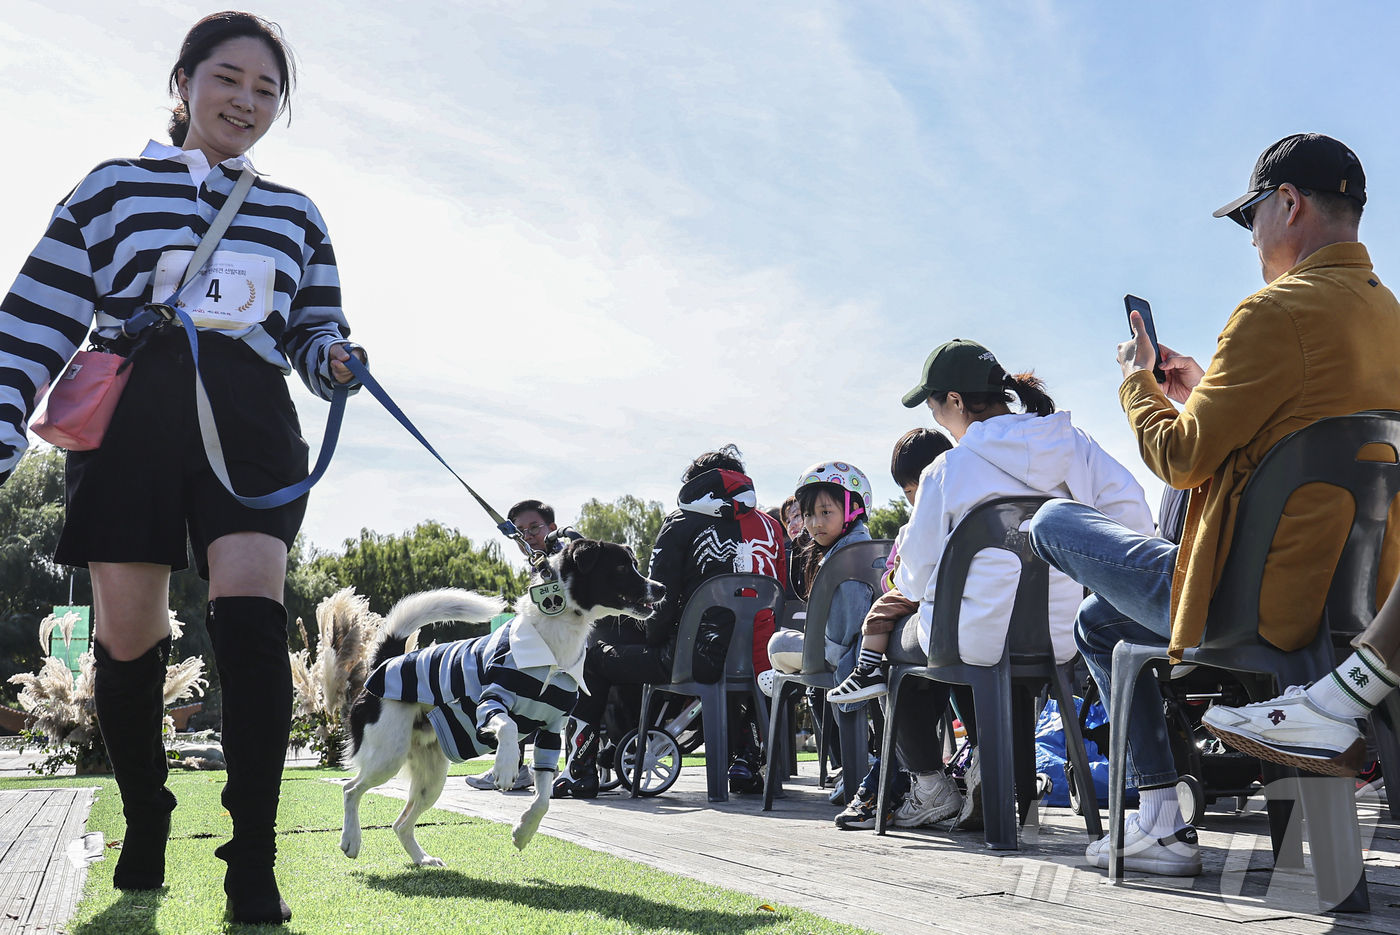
678	733
1208	770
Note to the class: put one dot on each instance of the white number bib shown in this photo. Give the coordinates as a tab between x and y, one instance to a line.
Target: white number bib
233	290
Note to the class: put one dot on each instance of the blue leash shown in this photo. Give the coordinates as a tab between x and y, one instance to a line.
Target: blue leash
339	394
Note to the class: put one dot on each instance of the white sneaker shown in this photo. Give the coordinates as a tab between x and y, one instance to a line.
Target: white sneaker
487	780
766	680
1293	731
970	815
1177	855
927	808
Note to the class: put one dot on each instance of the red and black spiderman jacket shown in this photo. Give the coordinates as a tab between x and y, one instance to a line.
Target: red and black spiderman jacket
718	530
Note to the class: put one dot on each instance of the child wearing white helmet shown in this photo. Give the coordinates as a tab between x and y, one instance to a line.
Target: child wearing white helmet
834	498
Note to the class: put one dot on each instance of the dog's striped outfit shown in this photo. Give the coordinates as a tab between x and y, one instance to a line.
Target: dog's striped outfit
468	682
95	262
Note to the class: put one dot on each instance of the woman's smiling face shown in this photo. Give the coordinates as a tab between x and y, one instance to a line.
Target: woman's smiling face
232	97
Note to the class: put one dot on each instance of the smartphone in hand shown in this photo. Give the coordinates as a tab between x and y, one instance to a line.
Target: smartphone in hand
1134	304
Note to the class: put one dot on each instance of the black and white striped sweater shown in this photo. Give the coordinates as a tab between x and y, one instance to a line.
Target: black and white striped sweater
95	262
468	682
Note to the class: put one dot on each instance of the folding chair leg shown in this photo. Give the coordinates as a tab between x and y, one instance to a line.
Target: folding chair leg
715	711
643	728
992	698
887	750
779	737
1023	749
855	751
1281	793
1076	752
1334	838
1128	662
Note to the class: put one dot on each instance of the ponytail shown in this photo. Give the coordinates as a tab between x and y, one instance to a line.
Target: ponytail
179	123
1030	390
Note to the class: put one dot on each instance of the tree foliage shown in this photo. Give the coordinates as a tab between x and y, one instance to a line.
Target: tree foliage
384	568
627	520
886	520
31	518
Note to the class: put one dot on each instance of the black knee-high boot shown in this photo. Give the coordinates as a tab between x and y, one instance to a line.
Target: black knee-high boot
250	646
129	697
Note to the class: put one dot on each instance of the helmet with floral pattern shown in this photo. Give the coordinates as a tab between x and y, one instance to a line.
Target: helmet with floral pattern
849	478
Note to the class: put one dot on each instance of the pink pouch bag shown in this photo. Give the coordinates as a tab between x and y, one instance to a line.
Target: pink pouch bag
82	402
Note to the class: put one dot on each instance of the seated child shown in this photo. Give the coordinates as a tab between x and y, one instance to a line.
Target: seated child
914	451
834	499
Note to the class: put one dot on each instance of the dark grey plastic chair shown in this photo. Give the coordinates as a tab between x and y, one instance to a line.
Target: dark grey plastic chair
859	561
719	591
1324	452
1005	729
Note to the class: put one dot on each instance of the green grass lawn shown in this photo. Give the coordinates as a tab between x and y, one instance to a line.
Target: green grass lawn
487	887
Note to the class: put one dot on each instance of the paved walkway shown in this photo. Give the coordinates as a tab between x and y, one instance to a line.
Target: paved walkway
912	880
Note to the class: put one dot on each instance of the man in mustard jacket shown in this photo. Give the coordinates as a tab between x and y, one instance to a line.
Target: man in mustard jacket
1321	339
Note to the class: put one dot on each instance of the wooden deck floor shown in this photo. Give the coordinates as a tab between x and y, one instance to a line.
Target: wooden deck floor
916	880
39	883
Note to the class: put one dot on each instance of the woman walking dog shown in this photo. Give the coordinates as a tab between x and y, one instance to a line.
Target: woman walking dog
267	301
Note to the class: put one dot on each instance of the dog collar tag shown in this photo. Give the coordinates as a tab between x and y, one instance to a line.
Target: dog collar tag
549	598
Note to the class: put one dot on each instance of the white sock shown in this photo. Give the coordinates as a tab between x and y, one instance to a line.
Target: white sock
1354	687
1159	812
928	782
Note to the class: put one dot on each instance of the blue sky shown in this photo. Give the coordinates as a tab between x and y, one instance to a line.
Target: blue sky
586	241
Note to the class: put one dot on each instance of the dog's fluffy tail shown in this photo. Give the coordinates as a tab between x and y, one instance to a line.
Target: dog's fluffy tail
440	606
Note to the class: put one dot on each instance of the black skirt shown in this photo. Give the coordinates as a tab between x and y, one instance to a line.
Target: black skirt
136	498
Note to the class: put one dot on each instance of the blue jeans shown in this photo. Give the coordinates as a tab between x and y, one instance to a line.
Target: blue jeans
1130	576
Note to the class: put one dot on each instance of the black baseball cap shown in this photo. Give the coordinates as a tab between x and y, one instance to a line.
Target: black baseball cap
1308	160
960	366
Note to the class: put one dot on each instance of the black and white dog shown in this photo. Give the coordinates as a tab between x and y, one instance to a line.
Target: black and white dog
467	698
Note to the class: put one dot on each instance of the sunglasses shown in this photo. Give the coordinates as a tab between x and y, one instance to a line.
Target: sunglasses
1246	210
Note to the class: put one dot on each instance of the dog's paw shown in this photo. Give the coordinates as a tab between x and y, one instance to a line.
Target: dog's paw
528	824
428	860
524	832
350	844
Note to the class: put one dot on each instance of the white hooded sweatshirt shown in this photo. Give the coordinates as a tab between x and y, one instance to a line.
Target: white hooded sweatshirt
1018	455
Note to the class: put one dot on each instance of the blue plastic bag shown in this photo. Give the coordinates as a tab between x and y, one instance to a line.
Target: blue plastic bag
1050	754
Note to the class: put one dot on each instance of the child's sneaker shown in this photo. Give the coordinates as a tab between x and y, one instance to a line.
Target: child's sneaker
860	814
1177	855
859	686
921	807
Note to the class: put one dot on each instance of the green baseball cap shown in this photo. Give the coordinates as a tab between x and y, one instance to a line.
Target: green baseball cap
960	366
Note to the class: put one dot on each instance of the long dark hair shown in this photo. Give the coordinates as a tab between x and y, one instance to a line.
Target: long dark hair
1029	390
211	32
811	554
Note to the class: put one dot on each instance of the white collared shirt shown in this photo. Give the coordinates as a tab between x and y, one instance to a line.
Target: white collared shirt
194	158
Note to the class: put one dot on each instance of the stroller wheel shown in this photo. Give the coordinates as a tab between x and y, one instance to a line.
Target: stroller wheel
1192	799
661	761
1075	804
